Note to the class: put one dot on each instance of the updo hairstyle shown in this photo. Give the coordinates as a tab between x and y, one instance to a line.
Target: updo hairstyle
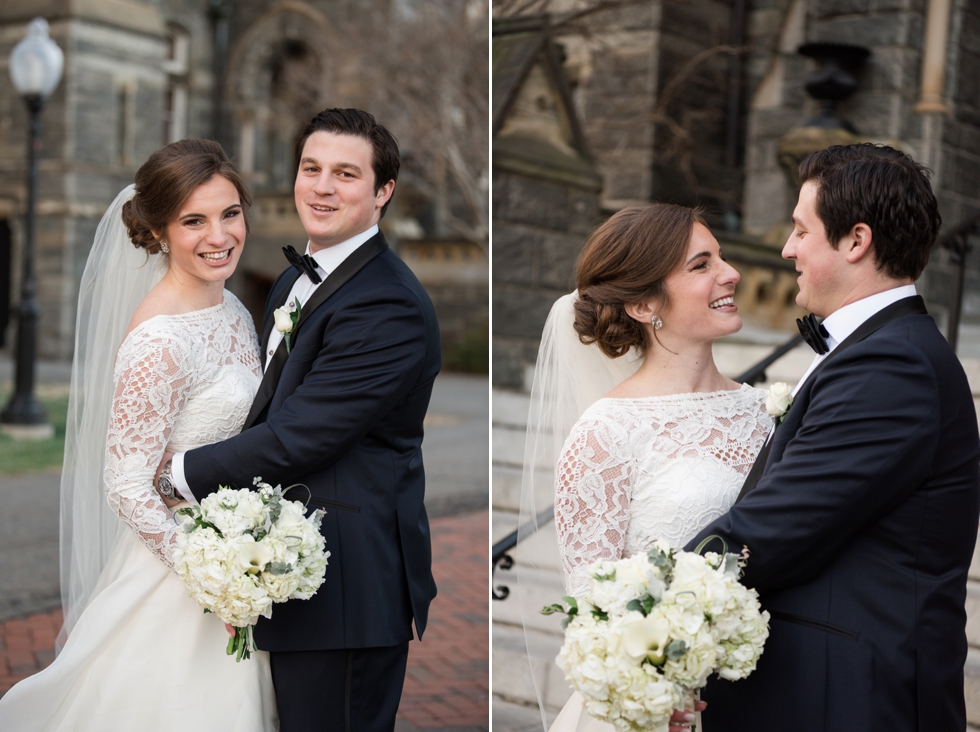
167	179
624	261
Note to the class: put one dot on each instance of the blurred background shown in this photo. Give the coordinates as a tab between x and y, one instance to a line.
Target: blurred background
251	73
600	104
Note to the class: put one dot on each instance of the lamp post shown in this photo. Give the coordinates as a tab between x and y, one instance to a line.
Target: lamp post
36	64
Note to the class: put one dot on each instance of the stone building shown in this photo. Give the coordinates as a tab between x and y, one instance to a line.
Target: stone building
545	192
704	102
250	73
692	102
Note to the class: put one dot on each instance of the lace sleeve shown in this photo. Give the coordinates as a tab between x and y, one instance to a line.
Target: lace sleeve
152	383
592	502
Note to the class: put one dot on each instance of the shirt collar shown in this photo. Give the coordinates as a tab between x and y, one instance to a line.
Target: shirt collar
329	259
841	323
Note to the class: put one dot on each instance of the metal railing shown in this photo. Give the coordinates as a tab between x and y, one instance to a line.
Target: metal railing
955	241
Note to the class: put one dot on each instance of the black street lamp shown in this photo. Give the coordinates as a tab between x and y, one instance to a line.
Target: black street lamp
36	64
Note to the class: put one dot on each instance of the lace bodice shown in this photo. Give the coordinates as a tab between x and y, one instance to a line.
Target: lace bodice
182	381
636	470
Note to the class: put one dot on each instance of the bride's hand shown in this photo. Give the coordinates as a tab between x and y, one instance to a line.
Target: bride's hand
230	628
681	721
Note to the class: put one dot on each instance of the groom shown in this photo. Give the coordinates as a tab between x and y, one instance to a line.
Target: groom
341	412
861	512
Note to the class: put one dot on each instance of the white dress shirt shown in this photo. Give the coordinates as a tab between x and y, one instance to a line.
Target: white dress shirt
327	261
841	323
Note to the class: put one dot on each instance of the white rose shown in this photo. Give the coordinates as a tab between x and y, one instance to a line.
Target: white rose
779	399
284	320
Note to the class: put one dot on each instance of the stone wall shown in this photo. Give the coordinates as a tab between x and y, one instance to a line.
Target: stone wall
539	227
654	123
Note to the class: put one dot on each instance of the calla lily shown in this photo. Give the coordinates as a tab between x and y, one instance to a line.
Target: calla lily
647	637
253	557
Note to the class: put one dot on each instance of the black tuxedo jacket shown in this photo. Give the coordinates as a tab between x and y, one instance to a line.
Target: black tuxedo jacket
342	414
861	531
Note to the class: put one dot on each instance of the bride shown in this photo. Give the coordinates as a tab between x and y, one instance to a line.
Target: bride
138	652
657	442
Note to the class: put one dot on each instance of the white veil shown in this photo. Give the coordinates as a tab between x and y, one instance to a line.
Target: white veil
117	277
568	377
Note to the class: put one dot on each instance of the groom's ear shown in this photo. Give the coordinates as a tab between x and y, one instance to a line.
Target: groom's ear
384	194
857	244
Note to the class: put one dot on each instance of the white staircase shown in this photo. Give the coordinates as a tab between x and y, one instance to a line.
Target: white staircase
515	699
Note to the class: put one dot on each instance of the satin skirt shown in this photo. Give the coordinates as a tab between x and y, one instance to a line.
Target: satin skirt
144	656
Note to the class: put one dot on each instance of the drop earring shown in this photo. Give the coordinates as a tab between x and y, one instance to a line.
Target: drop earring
656	322
164	248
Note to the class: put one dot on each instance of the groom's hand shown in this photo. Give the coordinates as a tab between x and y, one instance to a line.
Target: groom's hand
681	721
171	502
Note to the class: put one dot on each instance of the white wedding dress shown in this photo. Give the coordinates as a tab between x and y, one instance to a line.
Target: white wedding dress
636	470
144	655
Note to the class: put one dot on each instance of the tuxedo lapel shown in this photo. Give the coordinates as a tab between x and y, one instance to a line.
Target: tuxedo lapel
904	307
345	270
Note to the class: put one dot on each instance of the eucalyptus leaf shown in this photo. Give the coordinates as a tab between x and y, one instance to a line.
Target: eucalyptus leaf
279	568
675	649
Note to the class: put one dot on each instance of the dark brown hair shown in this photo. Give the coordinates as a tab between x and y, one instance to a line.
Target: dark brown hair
883	188
385	158
167	179
625	261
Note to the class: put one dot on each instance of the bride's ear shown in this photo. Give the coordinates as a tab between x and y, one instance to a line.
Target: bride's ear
643	311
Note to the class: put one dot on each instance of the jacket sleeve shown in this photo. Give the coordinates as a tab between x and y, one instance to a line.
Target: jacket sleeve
370	356
866	442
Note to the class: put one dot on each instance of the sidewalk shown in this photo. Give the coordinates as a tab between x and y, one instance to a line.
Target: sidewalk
447	686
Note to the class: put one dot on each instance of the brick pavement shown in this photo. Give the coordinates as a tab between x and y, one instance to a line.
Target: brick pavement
448	679
447	686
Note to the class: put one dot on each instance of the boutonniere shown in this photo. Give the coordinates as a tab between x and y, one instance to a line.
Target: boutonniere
286	318
779	399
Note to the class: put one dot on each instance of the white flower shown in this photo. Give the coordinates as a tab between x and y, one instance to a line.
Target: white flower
284	318
654	627
253	557
778	400
239	568
646	637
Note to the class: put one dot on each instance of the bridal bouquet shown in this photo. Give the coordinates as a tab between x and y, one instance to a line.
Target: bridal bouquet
243	550
653	628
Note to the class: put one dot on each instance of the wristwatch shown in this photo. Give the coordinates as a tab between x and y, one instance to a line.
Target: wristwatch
165	483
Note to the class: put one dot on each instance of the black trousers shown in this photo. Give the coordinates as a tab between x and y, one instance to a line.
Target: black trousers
347	690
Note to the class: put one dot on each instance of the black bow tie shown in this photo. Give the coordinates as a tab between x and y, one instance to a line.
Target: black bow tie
303	263
814	334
